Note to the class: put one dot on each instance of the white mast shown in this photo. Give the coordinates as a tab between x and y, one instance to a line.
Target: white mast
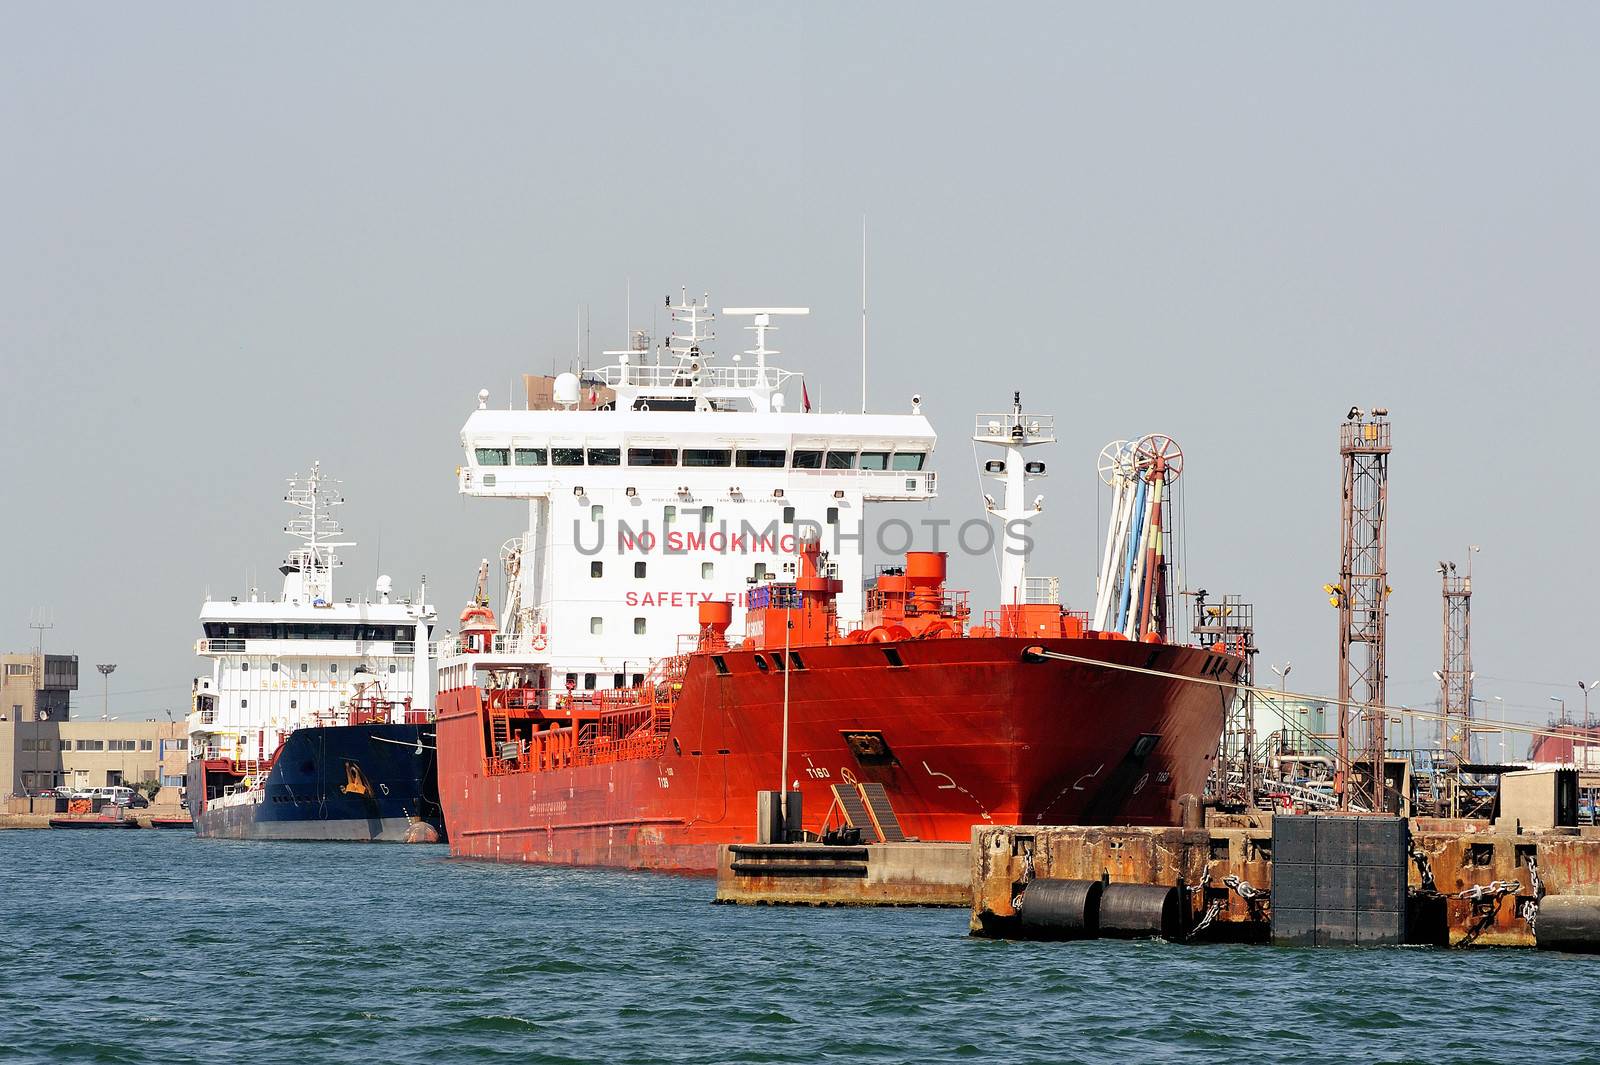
421	672
1012	433
308	569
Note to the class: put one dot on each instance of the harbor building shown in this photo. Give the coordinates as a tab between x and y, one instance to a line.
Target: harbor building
37	687
35	755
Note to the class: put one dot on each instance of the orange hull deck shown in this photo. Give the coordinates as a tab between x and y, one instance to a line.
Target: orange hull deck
971	731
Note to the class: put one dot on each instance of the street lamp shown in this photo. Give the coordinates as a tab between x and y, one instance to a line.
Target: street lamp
1585	689
106	669
1283	677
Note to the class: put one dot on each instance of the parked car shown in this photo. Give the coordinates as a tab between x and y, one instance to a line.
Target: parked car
119	795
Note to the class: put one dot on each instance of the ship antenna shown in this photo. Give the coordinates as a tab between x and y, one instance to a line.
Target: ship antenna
308	569
863	313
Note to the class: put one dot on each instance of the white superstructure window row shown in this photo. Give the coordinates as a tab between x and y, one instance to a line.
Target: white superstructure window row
910	461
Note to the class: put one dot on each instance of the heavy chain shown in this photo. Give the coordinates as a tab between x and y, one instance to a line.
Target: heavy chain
1528	910
1211	915
1425	871
1027	876
1494	889
1242	888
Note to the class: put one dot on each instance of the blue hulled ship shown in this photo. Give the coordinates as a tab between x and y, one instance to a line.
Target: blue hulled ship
316	722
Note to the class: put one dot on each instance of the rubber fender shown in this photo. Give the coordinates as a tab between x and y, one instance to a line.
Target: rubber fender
1062	909
1570	923
1139	911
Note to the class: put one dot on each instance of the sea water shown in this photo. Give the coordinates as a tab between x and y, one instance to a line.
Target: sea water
154	947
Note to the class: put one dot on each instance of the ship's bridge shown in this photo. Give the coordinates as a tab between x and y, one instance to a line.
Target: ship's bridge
667	479
524	454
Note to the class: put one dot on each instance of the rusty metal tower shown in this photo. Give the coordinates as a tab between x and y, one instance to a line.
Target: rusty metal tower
1362	596
1455	676
1232	624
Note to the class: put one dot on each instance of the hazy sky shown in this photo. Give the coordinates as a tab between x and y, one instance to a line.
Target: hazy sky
234	238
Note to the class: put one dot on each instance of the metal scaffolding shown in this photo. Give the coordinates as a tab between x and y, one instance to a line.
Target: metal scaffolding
1455	678
1362	596
1232	623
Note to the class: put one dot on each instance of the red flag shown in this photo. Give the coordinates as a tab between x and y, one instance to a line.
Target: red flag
805	397
594	398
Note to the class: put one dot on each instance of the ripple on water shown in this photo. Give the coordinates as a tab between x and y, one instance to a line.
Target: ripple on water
434	962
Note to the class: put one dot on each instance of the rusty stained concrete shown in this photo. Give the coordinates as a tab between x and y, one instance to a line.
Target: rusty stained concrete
1460	855
892	874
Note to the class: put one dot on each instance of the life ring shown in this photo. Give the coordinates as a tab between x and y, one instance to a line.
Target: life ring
539	642
1287	804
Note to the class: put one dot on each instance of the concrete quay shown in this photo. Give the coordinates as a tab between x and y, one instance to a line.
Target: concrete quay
874	874
1468	883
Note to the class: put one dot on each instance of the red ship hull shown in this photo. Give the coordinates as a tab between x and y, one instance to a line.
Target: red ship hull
975	733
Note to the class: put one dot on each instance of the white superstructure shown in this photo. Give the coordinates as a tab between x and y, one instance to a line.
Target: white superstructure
689	485
280	664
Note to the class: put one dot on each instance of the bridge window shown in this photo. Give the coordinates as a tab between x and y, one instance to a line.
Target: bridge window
788	515
638	626
808	460
588	681
652	456
833	515
762	460
597	569
707	515
906	461
874	460
274	667
841	460
529	456
639	571
708	570
619	680
759	570
244	667
304	668
638	679
566	456
596	626
493	456
707	457
596	512
605	456
669	516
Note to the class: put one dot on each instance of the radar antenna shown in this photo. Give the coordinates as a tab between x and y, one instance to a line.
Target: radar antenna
308	568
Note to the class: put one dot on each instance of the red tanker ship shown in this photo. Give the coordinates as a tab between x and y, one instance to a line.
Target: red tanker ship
581	728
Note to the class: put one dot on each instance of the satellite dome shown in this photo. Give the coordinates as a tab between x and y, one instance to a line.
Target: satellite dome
566	389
